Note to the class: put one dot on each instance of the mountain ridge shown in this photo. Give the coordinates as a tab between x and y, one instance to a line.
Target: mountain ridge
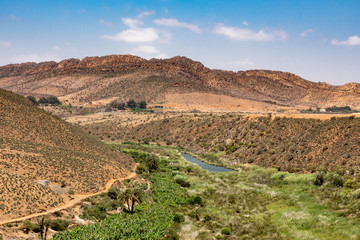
179	75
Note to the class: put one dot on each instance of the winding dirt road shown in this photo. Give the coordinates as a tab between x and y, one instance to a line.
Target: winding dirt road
76	200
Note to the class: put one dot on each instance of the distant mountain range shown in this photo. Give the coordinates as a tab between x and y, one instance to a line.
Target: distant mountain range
178	81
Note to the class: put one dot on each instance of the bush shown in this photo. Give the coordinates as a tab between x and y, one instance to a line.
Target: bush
33	100
142	105
182	181
28	225
59	224
152	163
335	179
131	104
349	183
94	213
226	231
53	100
178	218
356	194
117	105
140	169
320	177
50	100
195	200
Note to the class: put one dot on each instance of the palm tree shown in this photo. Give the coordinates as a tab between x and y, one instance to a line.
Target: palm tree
134	193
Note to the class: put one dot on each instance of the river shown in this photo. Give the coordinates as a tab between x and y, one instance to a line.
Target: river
205	166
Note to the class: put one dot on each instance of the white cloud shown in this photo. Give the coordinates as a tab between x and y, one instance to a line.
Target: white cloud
243	34
148	51
245	23
5	43
351	41
306	32
173	22
132	22
102	21
82	11
34	58
135	35
56	48
145	13
13	17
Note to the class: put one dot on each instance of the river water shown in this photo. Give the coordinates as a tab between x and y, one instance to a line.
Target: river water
210	168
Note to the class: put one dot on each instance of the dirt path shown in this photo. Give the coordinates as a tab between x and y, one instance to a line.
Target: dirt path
76	200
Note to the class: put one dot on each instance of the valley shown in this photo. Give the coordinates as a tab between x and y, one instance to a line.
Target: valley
81	169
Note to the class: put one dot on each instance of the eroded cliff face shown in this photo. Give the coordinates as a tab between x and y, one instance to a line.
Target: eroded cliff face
177	74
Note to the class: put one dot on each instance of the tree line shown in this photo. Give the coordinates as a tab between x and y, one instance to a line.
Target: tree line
130	104
49	100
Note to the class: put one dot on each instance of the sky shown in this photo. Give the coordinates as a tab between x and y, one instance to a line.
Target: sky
317	40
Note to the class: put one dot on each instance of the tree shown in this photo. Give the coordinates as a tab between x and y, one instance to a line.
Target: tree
131	104
117	105
44	224
53	100
43	100
152	163
134	193
50	100
33	100
142	104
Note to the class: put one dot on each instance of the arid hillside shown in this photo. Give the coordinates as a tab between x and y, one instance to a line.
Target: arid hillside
35	145
177	82
292	144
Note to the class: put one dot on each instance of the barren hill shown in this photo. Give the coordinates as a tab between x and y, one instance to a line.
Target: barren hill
35	145
177	81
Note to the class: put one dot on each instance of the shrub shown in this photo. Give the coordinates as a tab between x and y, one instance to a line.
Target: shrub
320	177
178	218
59	224
356	194
349	183
335	179
117	105
33	100
95	213
226	231
28	225
142	104
140	169
53	100
131	104
182	181
152	163
195	200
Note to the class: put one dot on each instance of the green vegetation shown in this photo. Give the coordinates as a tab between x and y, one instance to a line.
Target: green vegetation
43	224
130	104
288	144
254	203
33	100
49	100
334	109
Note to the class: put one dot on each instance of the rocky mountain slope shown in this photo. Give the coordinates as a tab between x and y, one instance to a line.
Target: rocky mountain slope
35	145
177	81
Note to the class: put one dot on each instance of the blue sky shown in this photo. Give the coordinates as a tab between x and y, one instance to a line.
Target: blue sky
318	40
